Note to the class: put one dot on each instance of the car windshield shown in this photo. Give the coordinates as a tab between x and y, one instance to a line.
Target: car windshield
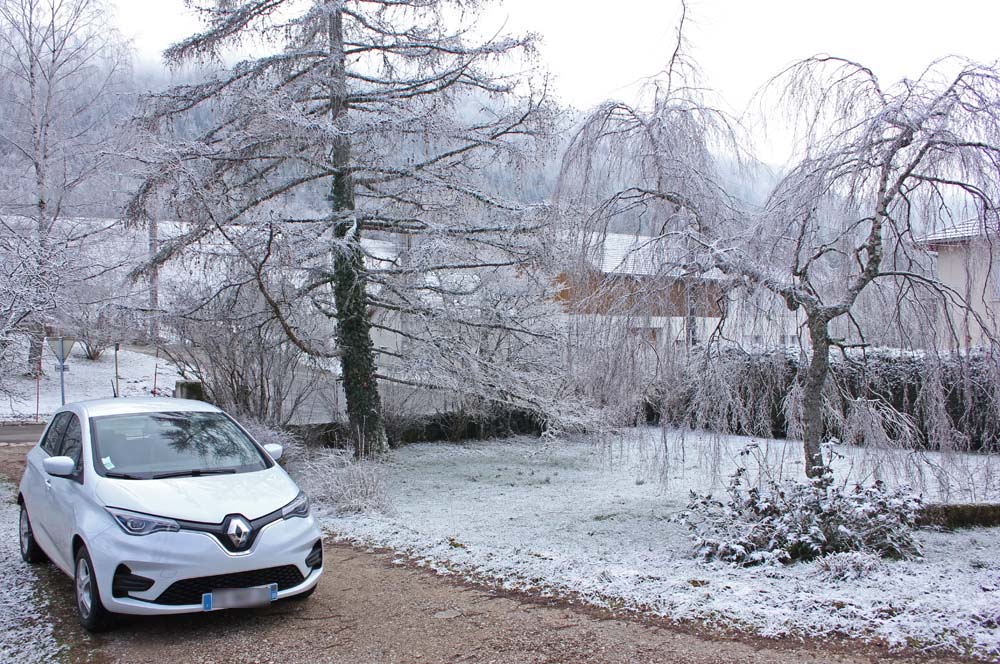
155	445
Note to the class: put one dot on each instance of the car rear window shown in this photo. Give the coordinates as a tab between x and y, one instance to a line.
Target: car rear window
144	445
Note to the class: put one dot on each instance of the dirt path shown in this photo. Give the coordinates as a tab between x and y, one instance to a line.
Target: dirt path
368	610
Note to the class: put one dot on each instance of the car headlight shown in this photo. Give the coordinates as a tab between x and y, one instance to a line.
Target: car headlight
298	507
135	523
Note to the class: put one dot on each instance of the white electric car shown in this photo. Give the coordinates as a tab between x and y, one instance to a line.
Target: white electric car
158	506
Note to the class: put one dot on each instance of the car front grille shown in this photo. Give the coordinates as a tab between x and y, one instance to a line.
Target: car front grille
189	591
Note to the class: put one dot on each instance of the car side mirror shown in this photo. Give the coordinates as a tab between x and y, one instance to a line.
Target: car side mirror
274	450
60	466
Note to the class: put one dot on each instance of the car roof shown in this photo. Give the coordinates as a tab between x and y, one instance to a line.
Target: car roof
131	405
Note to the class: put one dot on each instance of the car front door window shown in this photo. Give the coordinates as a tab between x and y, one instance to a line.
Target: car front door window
53	437
72	444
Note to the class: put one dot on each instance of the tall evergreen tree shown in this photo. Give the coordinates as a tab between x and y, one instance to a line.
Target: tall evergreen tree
384	109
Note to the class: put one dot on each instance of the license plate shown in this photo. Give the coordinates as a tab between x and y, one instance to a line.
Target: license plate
239	598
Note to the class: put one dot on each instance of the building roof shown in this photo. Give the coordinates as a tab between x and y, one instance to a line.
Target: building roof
621	253
957	233
639	255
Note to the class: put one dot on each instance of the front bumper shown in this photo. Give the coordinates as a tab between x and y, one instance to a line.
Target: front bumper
170	558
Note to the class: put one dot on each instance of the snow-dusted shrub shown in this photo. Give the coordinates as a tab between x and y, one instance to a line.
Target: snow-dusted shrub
99	326
333	477
850	565
327	475
241	356
789	521
293	449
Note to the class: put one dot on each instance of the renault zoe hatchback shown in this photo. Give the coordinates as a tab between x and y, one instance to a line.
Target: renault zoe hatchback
164	506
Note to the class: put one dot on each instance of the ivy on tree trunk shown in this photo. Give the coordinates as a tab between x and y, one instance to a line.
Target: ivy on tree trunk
357	360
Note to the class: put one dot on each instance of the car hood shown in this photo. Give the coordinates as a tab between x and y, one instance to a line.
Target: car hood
208	499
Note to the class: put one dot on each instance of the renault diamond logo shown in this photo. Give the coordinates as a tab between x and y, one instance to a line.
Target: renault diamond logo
238	531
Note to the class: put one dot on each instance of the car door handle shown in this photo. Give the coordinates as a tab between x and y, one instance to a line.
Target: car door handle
48	484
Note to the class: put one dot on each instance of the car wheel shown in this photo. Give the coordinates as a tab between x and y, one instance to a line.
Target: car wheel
93	616
30	551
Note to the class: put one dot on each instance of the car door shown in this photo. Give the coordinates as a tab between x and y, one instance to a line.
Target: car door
65	492
36	488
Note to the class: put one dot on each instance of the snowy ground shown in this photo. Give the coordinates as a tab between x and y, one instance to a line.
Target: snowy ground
593	522
86	379
25	634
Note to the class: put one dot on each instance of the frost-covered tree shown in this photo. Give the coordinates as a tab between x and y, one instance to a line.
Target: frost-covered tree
657	172
103	308
25	292
366	121
61	66
881	164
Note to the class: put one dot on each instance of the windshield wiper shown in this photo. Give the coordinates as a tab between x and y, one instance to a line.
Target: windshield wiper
124	476
196	472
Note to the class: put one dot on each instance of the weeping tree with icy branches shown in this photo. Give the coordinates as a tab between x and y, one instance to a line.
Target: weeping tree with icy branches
652	177
355	157
879	166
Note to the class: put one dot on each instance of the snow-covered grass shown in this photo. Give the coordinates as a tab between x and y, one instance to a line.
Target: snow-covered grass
593	522
25	633
86	379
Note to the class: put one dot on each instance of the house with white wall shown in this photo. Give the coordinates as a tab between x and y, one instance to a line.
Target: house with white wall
968	264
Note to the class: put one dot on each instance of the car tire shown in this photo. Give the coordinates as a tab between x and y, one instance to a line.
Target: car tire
93	616
30	551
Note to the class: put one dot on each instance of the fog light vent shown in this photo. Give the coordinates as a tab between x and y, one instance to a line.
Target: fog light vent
315	558
125	582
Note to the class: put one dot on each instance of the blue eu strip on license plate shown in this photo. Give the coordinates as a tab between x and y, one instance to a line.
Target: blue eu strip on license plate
239	598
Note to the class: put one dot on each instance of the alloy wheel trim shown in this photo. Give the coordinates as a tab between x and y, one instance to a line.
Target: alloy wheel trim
25	529
84	599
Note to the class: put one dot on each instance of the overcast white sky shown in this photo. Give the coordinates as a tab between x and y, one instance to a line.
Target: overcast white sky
601	49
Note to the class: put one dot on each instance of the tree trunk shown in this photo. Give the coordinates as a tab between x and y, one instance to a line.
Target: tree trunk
812	396
357	361
364	406
36	342
39	157
153	331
